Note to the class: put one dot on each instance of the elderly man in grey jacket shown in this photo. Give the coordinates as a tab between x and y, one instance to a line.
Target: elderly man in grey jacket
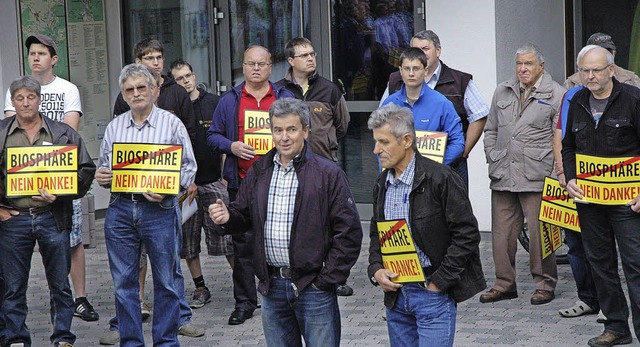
518	147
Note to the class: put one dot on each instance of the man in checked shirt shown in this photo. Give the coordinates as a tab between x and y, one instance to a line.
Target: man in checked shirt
305	230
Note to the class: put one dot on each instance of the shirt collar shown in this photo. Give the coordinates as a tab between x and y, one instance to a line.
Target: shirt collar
14	126
535	85
436	75
406	177
152	120
276	160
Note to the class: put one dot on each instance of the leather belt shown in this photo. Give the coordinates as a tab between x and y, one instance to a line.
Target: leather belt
32	210
280	272
133	197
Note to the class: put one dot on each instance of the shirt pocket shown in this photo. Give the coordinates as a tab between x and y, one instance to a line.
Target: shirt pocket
619	132
537	163
579	130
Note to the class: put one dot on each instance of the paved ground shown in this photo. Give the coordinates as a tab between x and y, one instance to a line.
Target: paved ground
511	323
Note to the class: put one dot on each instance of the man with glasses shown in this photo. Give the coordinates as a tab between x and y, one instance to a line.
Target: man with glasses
587	296
457	86
209	182
149	218
604	120
172	98
431	110
251	101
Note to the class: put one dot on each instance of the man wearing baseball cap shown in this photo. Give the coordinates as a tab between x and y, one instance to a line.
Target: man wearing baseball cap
623	76
60	101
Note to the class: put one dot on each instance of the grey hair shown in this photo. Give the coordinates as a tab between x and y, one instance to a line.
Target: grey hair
135	70
25	82
428	35
400	120
589	48
287	106
531	48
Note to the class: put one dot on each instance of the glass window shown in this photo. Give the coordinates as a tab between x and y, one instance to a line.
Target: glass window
181	26
267	23
368	37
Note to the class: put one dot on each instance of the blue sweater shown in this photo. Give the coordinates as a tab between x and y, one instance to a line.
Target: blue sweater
434	112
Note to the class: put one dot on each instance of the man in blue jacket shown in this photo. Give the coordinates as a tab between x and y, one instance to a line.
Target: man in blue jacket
306	232
249	101
431	110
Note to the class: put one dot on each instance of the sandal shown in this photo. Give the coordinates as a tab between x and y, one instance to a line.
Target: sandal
577	310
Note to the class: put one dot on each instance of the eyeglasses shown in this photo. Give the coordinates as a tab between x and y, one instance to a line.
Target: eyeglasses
185	77
150	58
595	71
306	55
141	89
253	64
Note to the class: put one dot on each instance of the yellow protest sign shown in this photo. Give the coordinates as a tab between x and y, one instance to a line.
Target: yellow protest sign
139	167
432	144
399	251
54	168
551	238
257	131
557	207
608	180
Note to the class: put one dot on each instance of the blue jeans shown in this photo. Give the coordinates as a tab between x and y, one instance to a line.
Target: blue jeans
581	269
128	225
460	166
602	227
421	317
18	236
313	315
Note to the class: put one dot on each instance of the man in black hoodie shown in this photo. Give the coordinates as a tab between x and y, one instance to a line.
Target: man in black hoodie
210	184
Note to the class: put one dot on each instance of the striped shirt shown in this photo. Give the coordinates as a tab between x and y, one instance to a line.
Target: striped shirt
280	206
396	202
473	102
161	127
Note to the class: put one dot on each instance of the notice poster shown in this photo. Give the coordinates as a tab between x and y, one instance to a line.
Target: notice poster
399	251
432	144
557	207
54	168
257	131
551	238
138	167
608	180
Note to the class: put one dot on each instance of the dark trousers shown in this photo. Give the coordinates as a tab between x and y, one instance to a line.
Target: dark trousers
244	283
603	226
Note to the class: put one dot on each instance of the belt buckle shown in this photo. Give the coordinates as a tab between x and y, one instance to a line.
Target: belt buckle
285	272
35	210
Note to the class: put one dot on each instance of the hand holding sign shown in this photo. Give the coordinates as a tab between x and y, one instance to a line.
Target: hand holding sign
153	197
635	204
573	189
103	176
44	196
219	212
242	150
384	278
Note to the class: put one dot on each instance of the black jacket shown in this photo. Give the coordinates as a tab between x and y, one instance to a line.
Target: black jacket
616	134
326	234
329	113
442	225
61	134
209	160
173	98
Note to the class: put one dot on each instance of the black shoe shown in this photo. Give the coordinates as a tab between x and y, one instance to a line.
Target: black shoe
609	338
85	311
344	290
239	316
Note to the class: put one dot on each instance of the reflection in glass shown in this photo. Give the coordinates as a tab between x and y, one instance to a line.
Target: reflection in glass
262	22
367	42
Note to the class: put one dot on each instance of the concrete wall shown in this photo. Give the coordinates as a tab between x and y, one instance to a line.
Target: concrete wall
540	22
10	52
467	35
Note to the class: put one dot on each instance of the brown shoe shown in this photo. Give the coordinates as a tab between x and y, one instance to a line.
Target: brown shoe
494	295
609	338
541	296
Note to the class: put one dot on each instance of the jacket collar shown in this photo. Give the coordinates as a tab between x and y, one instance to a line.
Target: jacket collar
289	76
